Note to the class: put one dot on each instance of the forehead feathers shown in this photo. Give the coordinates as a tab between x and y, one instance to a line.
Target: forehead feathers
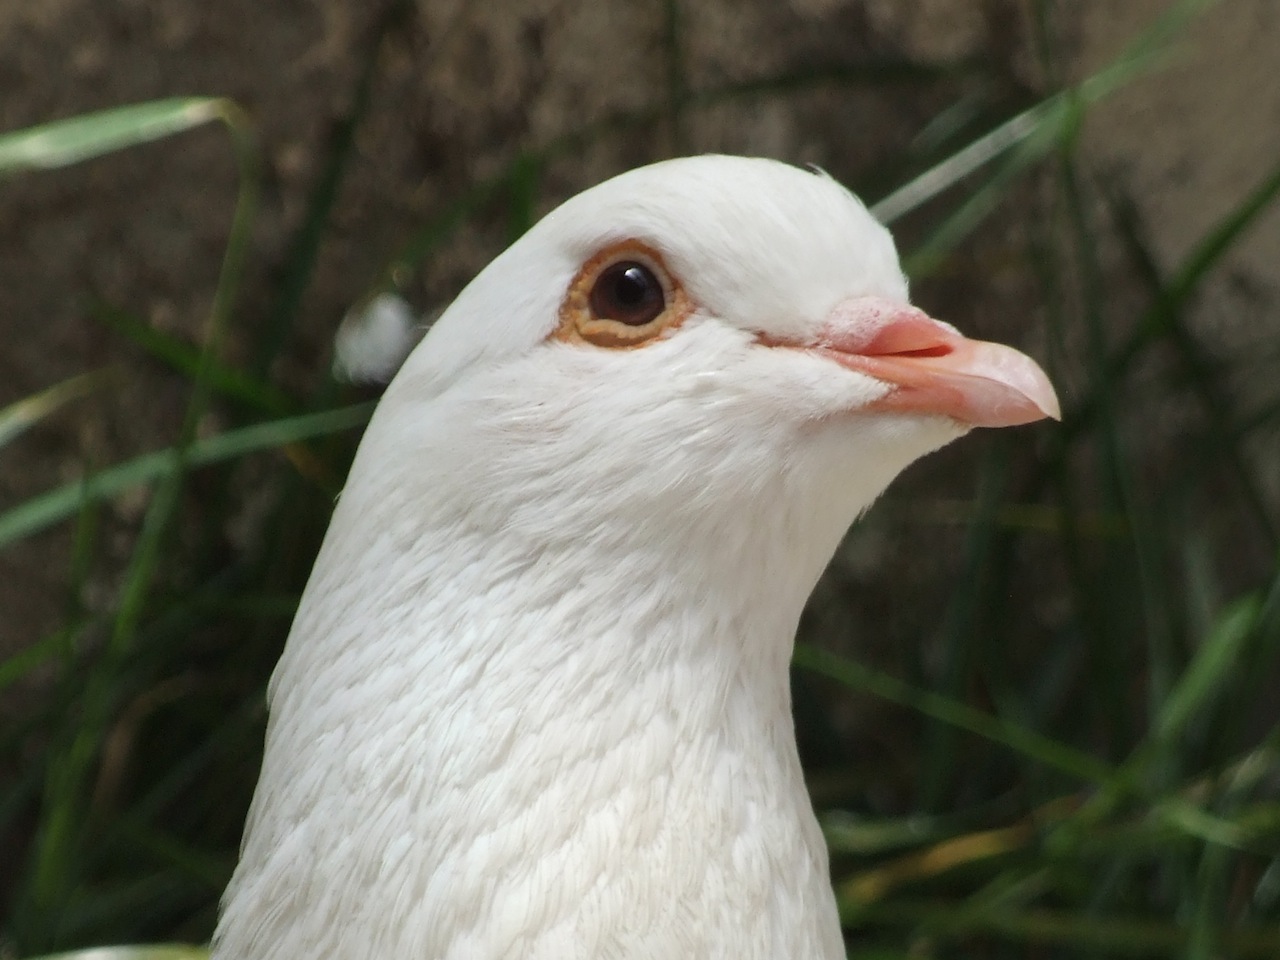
757	244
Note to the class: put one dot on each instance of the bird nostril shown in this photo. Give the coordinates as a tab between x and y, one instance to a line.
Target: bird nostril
938	350
911	337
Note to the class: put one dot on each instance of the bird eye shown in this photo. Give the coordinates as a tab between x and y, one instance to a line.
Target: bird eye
627	292
623	296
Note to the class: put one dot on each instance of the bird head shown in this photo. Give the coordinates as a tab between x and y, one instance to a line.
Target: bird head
689	348
541	660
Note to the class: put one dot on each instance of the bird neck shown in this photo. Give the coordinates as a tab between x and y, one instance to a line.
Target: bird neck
539	747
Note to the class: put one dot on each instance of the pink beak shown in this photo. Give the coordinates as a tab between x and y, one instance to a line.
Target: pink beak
934	369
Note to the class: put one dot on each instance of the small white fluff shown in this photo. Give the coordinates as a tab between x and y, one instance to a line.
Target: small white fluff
373	340
535	700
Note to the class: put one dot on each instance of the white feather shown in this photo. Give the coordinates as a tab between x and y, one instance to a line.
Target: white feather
535	700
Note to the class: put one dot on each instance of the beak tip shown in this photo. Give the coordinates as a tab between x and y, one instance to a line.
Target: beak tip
1045	397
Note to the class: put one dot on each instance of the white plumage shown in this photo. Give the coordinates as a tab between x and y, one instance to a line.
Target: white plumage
535	701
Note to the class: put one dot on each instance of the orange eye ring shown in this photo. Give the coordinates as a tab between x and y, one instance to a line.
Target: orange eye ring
623	296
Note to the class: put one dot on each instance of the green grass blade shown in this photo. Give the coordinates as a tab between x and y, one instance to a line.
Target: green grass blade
1209	380
1189	819
22	663
1017	738
305	247
1218	241
1036	131
1208	669
968	611
1119	936
25	413
961	164
522	195
184	358
1206	255
167	951
69	141
40	512
867	837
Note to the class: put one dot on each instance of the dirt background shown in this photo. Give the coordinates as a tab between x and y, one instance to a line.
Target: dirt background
461	88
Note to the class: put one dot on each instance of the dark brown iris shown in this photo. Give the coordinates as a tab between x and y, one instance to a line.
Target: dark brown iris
627	292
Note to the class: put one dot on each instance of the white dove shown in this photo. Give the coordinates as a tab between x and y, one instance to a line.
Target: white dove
535	701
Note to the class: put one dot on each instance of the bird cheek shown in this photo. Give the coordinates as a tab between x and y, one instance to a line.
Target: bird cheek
814	388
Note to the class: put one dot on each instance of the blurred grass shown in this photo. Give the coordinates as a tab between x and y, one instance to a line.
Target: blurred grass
1120	799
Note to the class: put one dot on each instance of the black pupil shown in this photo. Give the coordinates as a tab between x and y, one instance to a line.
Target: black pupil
627	292
632	287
